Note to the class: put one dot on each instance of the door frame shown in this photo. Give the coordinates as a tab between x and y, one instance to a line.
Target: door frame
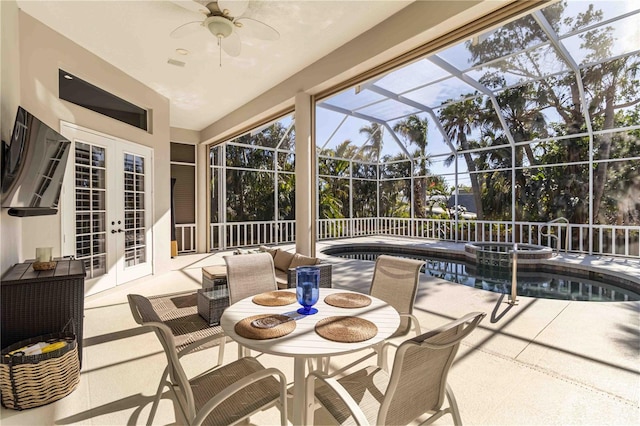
68	210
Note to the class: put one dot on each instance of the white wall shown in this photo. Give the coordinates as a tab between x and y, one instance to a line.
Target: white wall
10	227
42	53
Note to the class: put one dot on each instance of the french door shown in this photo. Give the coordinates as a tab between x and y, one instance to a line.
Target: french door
107	208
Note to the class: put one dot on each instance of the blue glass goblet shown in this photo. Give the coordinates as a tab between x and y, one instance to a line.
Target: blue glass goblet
307	288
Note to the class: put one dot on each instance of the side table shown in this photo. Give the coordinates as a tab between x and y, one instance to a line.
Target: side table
34	303
214	276
212	303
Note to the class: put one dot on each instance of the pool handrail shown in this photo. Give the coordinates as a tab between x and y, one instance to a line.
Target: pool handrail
562	221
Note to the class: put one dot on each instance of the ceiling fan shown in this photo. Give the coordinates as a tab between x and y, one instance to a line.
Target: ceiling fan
225	20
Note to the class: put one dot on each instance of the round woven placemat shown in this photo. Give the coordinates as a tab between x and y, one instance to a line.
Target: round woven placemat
347	300
346	329
275	298
245	329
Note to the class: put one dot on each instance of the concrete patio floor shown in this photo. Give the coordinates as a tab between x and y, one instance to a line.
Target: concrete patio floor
541	362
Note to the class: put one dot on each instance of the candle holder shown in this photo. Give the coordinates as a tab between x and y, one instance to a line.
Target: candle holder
307	288
44	260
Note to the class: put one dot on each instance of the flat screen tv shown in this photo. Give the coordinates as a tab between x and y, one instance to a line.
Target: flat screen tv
33	166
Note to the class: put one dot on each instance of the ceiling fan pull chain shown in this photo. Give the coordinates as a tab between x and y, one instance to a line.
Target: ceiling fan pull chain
220	51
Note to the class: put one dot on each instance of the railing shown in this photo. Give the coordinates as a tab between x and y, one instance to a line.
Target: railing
603	239
242	234
186	237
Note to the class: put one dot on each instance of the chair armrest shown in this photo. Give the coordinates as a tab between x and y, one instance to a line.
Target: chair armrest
416	323
382	349
325	275
351	404
191	347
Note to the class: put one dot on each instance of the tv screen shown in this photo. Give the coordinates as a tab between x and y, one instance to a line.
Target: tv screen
33	166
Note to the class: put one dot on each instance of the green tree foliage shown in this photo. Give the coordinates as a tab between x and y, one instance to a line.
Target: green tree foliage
333	189
600	96
413	130
251	164
395	186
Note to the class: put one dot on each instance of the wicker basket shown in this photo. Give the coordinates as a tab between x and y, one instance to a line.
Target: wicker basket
35	380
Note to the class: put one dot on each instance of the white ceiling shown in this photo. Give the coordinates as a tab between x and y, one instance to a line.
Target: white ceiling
134	36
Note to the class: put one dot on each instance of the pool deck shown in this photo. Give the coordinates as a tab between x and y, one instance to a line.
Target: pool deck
540	362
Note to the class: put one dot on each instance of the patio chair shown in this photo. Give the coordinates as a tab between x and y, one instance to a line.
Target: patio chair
191	332
416	385
395	280
223	395
248	275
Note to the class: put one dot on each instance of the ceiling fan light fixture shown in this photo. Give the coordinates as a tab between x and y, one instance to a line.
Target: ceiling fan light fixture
219	26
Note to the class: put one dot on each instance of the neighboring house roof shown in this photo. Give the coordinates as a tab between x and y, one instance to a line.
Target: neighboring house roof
464	199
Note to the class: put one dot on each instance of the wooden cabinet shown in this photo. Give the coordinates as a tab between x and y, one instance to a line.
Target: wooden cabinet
42	302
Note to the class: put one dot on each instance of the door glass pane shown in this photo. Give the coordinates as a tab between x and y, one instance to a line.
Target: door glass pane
128	163
97	156
134	210
90	190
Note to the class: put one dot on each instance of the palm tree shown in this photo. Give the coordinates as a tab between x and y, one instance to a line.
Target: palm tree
414	130
371	150
458	120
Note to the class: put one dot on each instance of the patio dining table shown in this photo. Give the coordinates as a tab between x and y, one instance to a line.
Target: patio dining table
304	342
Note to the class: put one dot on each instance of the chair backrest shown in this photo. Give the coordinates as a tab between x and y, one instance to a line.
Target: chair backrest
420	369
144	314
395	280
249	274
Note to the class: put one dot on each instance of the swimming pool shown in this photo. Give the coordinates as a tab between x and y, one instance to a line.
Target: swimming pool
564	285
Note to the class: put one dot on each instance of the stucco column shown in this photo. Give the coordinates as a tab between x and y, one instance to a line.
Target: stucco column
305	176
203	198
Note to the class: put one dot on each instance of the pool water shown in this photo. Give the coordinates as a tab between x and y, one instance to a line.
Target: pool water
532	284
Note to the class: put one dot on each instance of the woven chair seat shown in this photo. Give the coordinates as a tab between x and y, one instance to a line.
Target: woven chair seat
180	313
239	405
369	383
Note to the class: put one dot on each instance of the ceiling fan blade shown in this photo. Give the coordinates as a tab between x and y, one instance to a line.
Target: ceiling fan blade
186	29
192	6
235	7
258	29
231	44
